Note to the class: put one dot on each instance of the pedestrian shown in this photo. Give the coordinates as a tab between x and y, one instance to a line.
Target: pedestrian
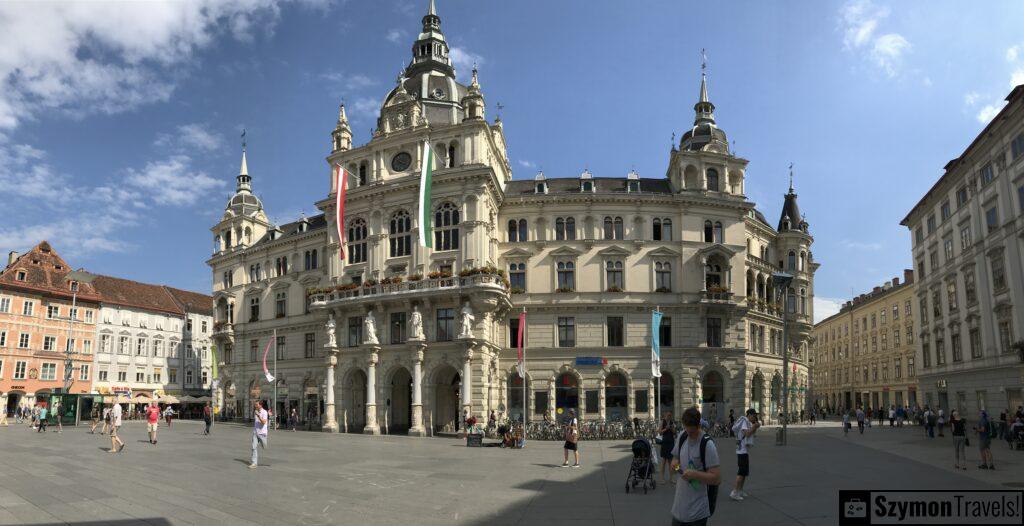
1003	427
744	430
94	415
3	416
984	430
814	417
492	421
208	418
259	431
846	423
732	422
115	424
106	419
959	428
892	416
941	420
42	420
667	435
56	414
900	415
695	458
929	422
860	420
572	438
152	421
168	413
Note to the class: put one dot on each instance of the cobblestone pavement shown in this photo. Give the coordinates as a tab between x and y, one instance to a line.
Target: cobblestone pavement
315	478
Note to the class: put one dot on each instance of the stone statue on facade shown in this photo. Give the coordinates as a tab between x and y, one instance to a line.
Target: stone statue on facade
331	339
416	325
466	329
370	329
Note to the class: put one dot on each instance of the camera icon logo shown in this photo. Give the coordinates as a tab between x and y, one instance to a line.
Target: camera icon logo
855	509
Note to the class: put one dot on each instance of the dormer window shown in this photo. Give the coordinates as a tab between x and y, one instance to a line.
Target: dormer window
586	181
632	182
541	184
74	286
20	276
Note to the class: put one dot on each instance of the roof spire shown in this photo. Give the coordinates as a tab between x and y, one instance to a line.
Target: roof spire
705	110
432	10
243	172
790	177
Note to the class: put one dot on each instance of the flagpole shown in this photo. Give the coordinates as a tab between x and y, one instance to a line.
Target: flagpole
657	394
522	344
276	416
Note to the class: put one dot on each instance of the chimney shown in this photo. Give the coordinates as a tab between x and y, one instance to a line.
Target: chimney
895	282
908	276
876	290
12	256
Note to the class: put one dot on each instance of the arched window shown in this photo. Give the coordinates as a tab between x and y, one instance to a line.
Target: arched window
513	231
613	275
618	228
656	229
446	227
570	229
803	306
314	260
517	276
451	155
357	241
361	178
248	236
305	260
709	233
663	277
399	240
803	261
791	301
559	229
522	230
791	265
566	276
719	232
227	239
609	233
713	180
666	229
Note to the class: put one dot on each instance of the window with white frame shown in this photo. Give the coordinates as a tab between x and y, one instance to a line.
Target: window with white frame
281	305
517	277
565	229
140	347
28	308
48	371
20	368
3	338
122	376
662	276
566	273
49	343
5	305
614	276
52	312
83	372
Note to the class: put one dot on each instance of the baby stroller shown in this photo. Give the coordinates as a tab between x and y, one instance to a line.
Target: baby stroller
641	470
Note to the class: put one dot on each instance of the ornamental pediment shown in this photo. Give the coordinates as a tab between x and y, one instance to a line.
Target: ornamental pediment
517	252
613	251
717	249
254	289
664	252
311	278
566	252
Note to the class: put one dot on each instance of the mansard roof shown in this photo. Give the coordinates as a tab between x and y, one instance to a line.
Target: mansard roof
292	229
603	185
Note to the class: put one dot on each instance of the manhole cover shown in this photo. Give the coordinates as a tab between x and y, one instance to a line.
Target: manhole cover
1014	484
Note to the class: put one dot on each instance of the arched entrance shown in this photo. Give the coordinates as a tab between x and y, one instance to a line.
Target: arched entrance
13	399
400	402
357	398
776	399
713	396
515	397
616	397
567	394
447	384
757	392
666	395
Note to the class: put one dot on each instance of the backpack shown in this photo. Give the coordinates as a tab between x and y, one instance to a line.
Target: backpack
712	490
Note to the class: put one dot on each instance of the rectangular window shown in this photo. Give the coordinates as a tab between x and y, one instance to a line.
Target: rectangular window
517	277
965	237
1005	336
713	332
19	370
48	371
640	397
944	210
591	402
103	376
931	224
910	368
5	305
28	308
280	305
172	376
998	273
951	296
933	259
947	249
954	342
140	347
540	402
613	275
49	342
70	344
188	376
310	347
936	304
1017	147
3	338
615	337
566	276
975	337
228	351
896	338
445	325
665	332
204	376
254	309
398	327
940	351
895	311
987	174
157	377
961	197
513	333
122	376
355	331
566	332
897	369
970	291
52	312
991	219
140	377
1020	197
926	354
279	347
919	235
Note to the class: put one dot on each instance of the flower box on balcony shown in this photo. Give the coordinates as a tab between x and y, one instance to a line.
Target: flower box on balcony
415	277
614	289
564	289
516	290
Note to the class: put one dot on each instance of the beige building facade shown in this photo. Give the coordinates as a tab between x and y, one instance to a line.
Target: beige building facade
393	336
968	249
864	356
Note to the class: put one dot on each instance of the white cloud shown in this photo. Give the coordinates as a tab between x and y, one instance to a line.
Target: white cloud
189	137
971	98
527	164
464	60
825	307
860	245
859	20
172	181
1017	78
83	233
1012	53
988	113
352	81
364	108
395	35
108	57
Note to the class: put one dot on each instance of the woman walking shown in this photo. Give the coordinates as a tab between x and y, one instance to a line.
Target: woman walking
984	430
667	432
959	427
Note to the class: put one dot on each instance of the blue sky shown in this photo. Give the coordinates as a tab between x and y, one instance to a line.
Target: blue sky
119	122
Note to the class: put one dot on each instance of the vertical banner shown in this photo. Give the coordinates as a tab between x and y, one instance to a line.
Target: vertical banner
656	344
273	340
426	176
339	209
521	340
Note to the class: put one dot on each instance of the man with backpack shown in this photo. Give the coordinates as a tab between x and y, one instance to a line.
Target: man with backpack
695	458
744	430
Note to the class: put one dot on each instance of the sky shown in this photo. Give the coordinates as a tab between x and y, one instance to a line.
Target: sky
120	122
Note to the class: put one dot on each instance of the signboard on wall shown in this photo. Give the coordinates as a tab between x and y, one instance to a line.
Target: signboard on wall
591	361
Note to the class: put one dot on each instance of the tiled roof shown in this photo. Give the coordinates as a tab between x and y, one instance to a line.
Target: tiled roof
291	229
130	293
603	185
44	272
192	302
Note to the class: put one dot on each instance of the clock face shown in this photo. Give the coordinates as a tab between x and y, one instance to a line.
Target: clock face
401	162
438	93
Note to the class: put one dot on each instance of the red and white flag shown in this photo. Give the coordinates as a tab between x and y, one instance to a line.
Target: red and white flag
270	377
339	208
521	340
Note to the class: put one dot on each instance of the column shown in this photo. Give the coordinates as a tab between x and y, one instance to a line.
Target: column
467	380
371	392
330	416
417	429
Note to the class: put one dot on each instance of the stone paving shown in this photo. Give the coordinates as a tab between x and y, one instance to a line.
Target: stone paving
315	478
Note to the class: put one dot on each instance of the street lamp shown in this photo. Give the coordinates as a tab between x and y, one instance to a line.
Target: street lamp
782	280
76	278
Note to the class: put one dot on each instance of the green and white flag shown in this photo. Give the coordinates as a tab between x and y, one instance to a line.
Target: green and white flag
426	174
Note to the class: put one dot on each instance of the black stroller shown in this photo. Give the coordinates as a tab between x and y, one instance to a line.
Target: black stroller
641	470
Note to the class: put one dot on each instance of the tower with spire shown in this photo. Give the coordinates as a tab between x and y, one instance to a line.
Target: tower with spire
244	221
341	137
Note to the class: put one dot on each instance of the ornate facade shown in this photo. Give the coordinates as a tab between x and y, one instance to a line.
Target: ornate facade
397	337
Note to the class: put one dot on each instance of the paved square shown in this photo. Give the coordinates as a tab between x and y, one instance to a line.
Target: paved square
315	478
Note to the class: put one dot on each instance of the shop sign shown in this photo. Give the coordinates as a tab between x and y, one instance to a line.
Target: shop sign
591	360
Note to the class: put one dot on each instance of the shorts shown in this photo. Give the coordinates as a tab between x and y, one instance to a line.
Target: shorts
743	464
151	427
571	446
985	443
113	430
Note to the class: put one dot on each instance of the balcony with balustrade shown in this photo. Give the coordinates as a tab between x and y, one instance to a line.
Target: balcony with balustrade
485	288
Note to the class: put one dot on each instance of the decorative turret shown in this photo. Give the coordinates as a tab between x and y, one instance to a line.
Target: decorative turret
341	137
244	203
705	134
791	219
473	102
430	51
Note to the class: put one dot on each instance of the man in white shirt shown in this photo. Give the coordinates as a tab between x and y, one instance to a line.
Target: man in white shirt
259	431
115	424
744	429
